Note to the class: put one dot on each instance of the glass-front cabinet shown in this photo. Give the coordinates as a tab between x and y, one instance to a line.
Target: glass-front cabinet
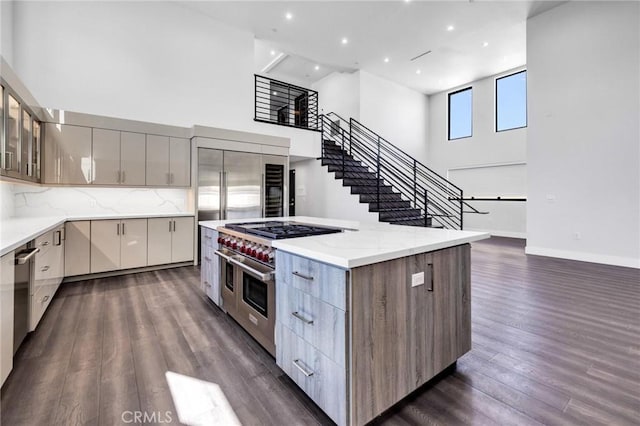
20	138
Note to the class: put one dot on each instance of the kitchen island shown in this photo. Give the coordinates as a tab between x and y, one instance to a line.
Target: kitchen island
366	316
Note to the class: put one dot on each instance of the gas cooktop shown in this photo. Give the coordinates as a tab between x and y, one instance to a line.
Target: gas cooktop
275	230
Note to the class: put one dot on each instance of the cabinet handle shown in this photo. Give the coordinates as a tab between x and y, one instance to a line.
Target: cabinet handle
57	238
123	229
174	225
124	179
171	178
206	284
46	243
118	229
44	299
208	259
301	318
118	178
430	265
304	277
168	179
44	268
304	370
170	225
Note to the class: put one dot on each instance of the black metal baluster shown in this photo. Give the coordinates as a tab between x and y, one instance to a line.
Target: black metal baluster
426	206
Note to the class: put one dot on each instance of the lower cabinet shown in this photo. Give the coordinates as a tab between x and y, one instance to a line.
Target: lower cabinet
170	240
77	248
48	272
6	314
210	265
118	244
359	341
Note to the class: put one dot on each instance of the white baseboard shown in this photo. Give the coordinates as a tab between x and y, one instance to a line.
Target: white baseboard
498	233
584	257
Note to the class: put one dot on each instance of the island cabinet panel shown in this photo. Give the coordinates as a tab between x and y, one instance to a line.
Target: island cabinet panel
321	379
401	335
307	275
320	324
210	265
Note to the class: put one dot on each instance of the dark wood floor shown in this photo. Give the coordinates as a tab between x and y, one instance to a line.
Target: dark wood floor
554	342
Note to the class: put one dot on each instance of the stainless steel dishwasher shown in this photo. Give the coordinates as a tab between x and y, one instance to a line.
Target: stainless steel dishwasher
23	277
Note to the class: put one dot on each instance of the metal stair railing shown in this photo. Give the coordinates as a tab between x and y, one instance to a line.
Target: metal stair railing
435	197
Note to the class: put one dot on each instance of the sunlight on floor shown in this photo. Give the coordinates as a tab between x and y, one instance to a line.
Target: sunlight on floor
200	403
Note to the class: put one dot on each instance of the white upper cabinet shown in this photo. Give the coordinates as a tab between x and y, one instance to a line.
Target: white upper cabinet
168	161
67	152
106	157
179	162
157	160
132	158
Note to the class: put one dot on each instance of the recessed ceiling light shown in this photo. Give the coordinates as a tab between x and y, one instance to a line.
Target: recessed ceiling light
317	67
418	71
450	28
485	44
289	16
273	52
345	40
386	60
275	93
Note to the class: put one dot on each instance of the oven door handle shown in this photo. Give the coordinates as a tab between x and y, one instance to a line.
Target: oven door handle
263	276
222	255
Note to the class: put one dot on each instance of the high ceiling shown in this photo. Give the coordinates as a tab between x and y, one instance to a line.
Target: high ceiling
466	40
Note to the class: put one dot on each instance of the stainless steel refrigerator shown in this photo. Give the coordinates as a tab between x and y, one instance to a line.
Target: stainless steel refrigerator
237	185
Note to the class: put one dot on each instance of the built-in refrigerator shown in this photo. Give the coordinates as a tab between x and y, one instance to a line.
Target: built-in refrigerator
237	185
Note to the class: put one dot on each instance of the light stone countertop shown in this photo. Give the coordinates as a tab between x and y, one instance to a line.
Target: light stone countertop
363	243
16	231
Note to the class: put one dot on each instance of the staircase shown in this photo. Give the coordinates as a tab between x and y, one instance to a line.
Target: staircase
399	188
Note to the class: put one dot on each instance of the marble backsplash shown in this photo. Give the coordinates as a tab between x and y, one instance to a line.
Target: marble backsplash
6	200
30	200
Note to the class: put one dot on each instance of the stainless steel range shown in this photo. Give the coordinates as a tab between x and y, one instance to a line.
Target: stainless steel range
247	272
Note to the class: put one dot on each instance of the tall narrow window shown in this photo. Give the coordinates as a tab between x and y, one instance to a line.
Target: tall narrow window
511	101
460	114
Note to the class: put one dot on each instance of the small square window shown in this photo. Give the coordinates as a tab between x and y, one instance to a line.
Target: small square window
460	114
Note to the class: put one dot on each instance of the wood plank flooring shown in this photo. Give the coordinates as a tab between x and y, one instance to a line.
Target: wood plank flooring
554	342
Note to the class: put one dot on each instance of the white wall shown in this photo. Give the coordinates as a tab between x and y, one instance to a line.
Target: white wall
465	161
6	31
395	112
340	93
583	136
319	194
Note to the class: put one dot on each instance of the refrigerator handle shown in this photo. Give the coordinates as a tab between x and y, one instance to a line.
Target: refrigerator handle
223	195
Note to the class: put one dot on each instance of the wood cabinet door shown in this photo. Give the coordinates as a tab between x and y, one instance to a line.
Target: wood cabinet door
133	158
105	157
182	239
157	161
133	243
180	161
77	248
105	245
451	305
159	230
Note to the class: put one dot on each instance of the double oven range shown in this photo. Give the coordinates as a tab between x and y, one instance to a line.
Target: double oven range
247	272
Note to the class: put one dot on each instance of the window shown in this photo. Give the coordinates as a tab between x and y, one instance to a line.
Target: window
511	101
460	114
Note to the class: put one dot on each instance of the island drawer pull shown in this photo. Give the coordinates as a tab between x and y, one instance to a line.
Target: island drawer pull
301	318
304	370
430	265
44	299
304	277
44	269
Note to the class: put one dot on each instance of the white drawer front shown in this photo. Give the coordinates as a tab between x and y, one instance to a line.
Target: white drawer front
323	281
319	377
317	322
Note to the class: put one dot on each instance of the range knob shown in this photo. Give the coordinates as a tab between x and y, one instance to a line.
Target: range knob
234	244
220	240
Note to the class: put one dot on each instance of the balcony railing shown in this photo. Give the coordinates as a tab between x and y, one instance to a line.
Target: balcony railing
285	104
